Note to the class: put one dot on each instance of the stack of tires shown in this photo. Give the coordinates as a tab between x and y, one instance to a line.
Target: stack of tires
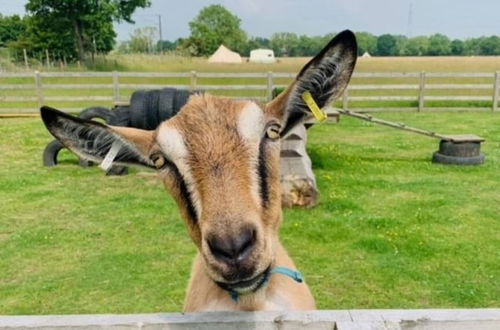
147	109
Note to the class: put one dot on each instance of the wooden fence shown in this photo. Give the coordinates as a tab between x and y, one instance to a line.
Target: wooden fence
387	319
395	91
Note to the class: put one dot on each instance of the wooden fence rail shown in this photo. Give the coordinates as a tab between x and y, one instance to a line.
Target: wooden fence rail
369	91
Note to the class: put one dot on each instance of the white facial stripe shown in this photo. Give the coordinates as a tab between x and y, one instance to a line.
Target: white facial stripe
251	123
172	144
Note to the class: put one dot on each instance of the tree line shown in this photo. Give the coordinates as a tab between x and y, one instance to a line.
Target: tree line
69	30
75	30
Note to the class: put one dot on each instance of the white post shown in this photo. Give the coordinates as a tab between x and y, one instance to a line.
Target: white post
269	86
116	87
496	86
421	92
39	90
194	80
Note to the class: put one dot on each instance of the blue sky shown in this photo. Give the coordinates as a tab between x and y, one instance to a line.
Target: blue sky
455	18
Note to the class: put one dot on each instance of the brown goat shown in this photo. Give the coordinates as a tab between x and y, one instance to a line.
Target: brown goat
220	160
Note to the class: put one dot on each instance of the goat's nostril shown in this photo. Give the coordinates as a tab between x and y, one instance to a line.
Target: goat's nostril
233	249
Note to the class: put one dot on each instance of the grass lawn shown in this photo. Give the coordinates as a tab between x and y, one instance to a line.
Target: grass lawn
392	230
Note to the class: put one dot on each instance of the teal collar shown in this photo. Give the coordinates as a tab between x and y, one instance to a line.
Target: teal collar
293	274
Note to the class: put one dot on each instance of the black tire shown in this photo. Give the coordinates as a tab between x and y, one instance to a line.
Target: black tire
120	116
166	104
50	153
456	160
138	109
459	149
181	98
96	112
152	115
117	170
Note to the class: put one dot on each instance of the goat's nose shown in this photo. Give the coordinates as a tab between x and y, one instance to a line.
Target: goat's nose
233	249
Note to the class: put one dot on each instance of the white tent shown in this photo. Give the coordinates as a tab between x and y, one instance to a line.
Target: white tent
366	54
224	55
262	56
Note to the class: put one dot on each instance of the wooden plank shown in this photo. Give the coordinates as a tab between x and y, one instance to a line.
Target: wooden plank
19	86
269	86
458	86
459	98
382	98
18	98
232	75
151	86
76	74
39	88
496	86
36	110
460	74
386	109
116	86
232	87
464	138
345	99
457	109
155	74
386	74
421	92
383	87
78	86
78	98
16	74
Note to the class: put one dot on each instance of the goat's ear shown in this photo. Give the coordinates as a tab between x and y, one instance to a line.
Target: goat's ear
325	77
92	140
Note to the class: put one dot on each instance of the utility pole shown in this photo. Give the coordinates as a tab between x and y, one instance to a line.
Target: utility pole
410	21
160	45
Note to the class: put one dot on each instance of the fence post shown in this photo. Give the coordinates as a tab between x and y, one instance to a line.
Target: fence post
47	57
269	86
39	90
345	99
496	86
421	92
116	87
26	64
194	80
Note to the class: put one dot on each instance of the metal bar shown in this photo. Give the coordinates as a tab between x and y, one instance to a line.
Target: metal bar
392	124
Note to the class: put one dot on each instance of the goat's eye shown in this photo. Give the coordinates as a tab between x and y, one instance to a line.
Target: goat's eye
158	160
273	131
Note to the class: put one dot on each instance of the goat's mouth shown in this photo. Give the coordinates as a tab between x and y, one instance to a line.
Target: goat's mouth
246	286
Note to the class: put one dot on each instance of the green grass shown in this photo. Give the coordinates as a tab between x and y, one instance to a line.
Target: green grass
392	229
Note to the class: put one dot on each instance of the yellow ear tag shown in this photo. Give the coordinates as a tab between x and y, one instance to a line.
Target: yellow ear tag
317	112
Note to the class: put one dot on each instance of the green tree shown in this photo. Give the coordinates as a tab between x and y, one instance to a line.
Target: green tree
141	40
387	45
439	45
11	29
457	47
367	43
215	25
416	46
490	46
87	24
284	43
